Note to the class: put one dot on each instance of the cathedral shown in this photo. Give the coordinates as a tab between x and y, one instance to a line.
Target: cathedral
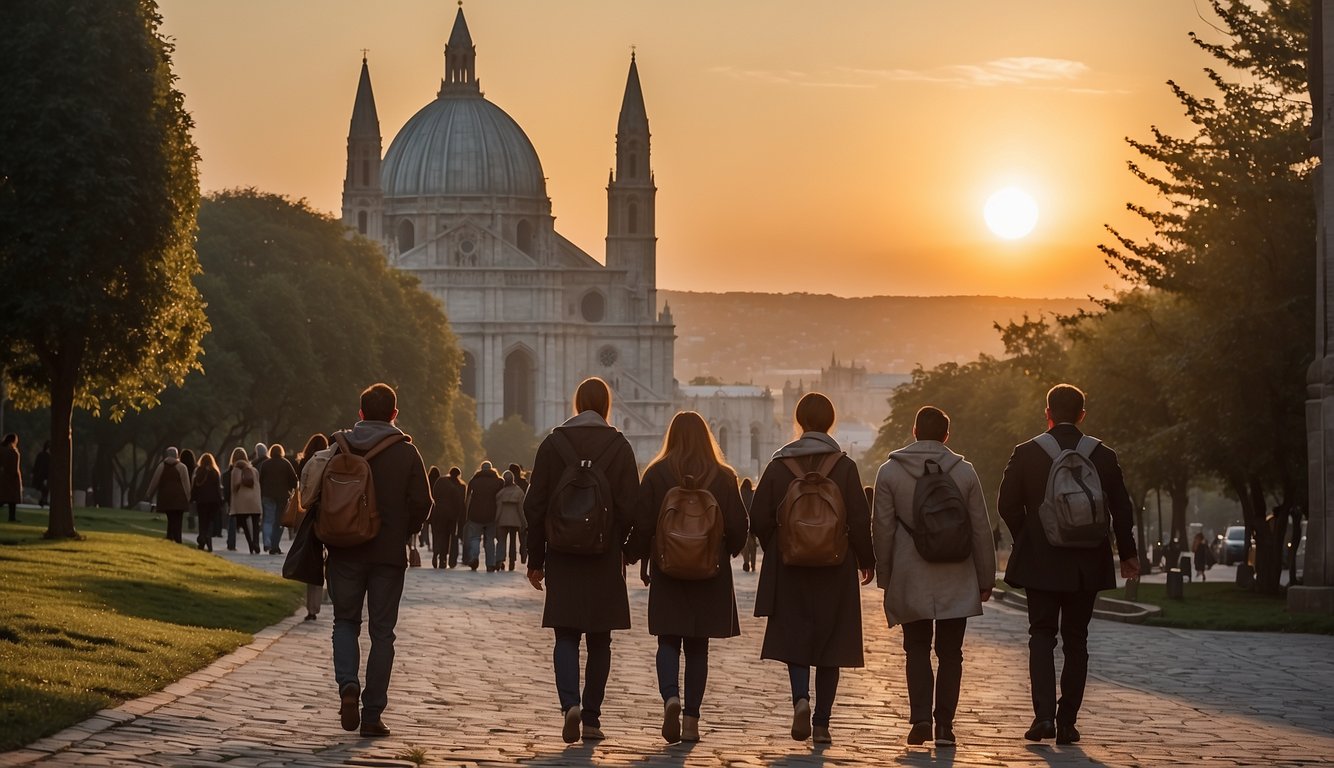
459	201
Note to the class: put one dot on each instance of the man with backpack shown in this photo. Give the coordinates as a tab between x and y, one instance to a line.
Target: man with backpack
374	495
936	562
480	528
1061	493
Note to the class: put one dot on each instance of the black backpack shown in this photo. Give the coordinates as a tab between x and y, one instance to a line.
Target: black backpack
940	528
579	519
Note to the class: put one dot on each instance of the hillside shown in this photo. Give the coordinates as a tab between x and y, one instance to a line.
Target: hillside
768	338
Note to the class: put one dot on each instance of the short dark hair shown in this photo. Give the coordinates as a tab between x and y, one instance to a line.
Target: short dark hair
1066	403
10	439
593	394
931	424
455	471
378	402
815	413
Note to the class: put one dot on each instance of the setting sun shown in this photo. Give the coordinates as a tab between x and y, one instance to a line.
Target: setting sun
1010	213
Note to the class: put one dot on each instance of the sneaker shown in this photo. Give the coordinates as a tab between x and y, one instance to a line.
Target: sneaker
671	720
801	720
569	733
919	734
349	710
945	735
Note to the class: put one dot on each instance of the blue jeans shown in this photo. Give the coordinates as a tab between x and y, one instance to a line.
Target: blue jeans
487	533
271	525
565	658
379	588
826	688
697	670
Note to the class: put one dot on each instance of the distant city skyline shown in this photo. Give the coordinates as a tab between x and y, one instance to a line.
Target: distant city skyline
845	149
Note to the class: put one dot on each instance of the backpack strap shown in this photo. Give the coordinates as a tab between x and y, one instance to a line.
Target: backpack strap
383	444
828	464
823	469
1087	445
565	447
1047	441
701	483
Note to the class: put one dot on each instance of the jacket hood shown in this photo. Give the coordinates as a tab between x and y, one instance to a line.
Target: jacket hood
170	460
586	419
809	444
365	435
913	457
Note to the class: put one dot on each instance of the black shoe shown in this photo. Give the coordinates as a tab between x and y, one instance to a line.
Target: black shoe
310	617
801	720
944	735
349	709
374	729
919	734
1040	729
473	565
231	549
1066	734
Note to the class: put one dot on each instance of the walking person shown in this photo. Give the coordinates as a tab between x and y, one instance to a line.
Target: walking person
243	499
424	540
814	609
510	523
41	474
11	475
686	607
1202	555
315	443
370	575
935	559
752	544
170	491
277	482
448	494
1062	581
481	517
576	550
206	495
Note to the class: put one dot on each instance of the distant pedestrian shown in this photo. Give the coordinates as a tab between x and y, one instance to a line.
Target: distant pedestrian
170	489
369	576
752	544
520	479
277	482
932	598
510	523
1202	555
11	475
815	614
685	608
188	459
577	550
448	494
480	538
41	474
206	494
1060	581
315	443
432	475
244	501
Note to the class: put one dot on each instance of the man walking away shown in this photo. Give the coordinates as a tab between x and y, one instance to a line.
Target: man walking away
448	493
482	490
1062	556
41	474
277	481
371	574
170	487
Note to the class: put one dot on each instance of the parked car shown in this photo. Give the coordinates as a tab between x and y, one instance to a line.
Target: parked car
1231	545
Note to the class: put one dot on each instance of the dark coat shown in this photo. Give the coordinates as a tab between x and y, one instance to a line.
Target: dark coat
207	487
690	608
482	489
277	479
41	469
448	495
583	592
815	614
402	496
1038	565
11	476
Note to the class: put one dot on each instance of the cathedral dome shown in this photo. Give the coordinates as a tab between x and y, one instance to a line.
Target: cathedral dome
462	144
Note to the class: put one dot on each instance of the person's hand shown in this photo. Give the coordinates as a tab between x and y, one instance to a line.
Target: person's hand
1130	568
535	578
867	575
986	594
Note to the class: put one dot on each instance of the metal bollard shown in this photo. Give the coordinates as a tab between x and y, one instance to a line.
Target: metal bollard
1175	588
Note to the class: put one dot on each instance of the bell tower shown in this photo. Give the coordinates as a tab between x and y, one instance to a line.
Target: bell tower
363	198
631	231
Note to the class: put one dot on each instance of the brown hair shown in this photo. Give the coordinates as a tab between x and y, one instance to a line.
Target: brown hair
317	442
378	402
815	413
931	424
206	461
689	447
1066	403
593	394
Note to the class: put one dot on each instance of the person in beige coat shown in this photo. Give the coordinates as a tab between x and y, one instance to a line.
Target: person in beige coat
246	505
930	597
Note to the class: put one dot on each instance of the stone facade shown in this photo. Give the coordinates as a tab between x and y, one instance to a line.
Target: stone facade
742	419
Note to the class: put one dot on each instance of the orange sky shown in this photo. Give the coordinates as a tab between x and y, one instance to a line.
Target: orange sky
839	148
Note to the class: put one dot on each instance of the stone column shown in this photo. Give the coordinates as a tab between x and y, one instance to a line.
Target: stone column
1317	591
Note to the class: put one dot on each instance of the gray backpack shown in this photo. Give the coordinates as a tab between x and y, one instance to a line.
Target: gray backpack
1074	508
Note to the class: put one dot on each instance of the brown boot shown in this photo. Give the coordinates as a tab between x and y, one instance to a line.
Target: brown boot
671	720
689	728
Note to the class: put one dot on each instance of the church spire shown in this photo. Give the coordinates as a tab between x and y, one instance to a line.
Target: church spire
633	114
460	59
365	120
362	194
631	214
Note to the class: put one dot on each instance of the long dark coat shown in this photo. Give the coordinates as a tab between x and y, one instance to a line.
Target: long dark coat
583	592
11	477
449	494
815	614
690	608
1034	563
482	490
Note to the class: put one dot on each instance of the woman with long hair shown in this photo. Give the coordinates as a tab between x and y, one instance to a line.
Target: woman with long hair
246	507
815	611
314	592
686	612
206	495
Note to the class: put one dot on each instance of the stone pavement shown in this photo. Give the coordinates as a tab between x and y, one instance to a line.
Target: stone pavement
472	686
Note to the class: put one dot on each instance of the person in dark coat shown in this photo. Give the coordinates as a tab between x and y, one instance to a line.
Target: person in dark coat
370	575
815	613
170	488
687	612
41	474
585	592
1061	583
752	544
481	514
206	495
11	475
277	481
449	494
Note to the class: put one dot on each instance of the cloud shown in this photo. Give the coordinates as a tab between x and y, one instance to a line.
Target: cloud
789	77
1017	71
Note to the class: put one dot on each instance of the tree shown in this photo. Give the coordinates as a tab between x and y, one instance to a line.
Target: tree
510	441
98	198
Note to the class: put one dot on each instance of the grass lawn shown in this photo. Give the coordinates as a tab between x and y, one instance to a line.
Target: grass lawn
85	625
1223	606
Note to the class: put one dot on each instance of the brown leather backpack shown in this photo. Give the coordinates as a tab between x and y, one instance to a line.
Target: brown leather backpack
347	515
688	539
812	520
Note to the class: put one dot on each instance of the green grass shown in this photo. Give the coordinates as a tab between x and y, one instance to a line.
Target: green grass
1221	606
87	624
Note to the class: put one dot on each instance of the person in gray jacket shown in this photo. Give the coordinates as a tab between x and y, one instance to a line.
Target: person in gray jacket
930	597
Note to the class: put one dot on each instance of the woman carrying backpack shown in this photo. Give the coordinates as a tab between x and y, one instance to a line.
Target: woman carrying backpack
814	607
690	596
243	482
575	548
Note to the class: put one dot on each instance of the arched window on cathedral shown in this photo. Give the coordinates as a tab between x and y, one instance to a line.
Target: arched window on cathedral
523	236
406	236
633	162
365	172
632	218
519	386
593	307
724	440
361	222
754	442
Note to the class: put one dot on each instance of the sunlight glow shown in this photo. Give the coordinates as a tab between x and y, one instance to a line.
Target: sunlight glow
1010	213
